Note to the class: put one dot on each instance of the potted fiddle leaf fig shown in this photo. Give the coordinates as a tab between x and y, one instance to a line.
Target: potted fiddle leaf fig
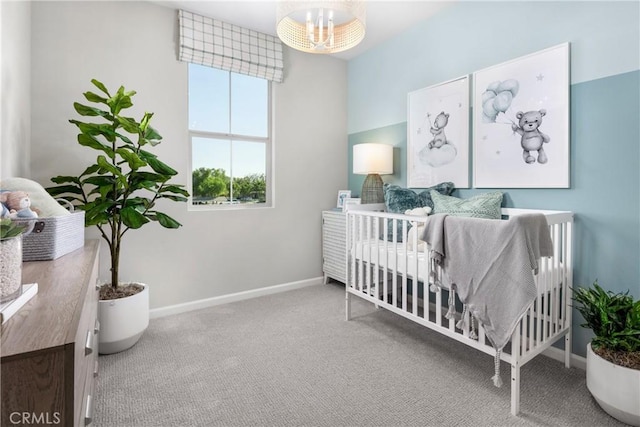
613	356
119	193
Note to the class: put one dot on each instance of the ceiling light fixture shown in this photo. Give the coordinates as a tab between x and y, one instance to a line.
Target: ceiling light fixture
321	26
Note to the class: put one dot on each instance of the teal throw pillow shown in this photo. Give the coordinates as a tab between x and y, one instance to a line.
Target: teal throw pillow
399	199
485	205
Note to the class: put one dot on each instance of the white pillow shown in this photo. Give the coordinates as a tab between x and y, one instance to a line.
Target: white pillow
41	201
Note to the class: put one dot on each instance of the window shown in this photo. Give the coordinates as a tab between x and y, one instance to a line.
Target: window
230	134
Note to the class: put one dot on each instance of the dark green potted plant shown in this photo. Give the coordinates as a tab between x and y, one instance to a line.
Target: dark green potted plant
613	356
119	193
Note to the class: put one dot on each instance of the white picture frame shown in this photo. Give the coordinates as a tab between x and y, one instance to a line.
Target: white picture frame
521	122
349	203
342	196
438	134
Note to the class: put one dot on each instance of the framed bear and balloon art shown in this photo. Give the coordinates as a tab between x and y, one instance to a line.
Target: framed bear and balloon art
521	122
520	126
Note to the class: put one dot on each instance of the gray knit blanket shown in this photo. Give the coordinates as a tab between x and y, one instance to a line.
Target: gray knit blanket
491	265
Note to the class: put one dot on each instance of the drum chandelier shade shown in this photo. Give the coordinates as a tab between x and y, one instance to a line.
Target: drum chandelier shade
321	26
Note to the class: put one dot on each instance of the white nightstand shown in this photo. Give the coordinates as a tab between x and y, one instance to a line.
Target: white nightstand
334	241
334	245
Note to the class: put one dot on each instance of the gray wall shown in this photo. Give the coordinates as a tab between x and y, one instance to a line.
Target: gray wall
214	253
15	24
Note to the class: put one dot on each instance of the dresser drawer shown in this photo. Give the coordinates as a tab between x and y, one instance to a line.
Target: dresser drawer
86	348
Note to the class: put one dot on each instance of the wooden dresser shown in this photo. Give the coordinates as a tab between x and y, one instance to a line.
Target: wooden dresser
50	346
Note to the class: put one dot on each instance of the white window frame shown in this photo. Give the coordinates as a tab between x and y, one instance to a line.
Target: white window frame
268	141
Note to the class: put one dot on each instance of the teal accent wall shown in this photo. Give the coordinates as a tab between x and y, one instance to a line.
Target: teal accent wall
605	115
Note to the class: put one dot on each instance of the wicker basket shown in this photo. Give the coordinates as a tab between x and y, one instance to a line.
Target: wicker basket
50	238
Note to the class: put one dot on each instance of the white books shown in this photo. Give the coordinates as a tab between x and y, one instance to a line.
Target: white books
10	308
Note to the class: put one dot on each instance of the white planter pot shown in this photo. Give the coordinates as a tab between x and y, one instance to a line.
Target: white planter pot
615	388
10	268
123	321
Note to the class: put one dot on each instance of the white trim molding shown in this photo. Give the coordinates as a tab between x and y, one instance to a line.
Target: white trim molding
558	354
225	299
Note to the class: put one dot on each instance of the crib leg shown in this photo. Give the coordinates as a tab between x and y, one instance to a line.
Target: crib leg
347	300
515	389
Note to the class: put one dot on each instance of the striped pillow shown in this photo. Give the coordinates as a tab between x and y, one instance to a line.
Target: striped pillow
485	205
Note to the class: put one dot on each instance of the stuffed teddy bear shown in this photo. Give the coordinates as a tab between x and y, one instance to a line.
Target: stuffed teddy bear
416	230
437	130
424	211
532	139
18	204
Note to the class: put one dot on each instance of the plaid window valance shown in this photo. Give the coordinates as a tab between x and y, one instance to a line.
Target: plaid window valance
218	44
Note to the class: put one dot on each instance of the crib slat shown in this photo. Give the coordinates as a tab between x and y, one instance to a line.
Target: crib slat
531	322
406	264
452	294
539	310
522	330
353	243
546	319
376	263
414	272
367	272
438	299
373	269
385	265
395	260
361	263
556	279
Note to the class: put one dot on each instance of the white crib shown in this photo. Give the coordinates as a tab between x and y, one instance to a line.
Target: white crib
385	269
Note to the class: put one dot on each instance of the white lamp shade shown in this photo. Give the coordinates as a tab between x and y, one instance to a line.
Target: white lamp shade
372	158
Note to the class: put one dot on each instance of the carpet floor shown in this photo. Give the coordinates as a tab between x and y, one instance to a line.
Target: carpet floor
290	359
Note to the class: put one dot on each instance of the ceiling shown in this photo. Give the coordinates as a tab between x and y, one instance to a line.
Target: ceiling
384	18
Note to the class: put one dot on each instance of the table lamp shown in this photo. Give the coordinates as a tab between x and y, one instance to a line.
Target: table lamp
372	160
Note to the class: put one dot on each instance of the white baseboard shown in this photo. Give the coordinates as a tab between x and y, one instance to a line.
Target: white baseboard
224	299
558	354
